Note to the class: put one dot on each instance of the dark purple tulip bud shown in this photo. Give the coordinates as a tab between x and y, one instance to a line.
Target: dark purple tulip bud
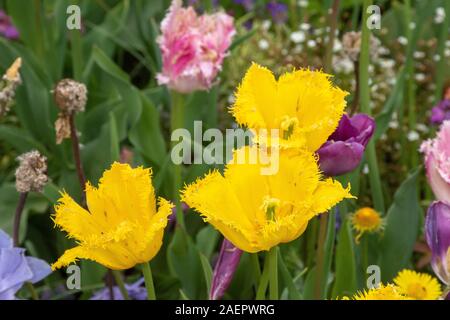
226	265
437	229
7	29
344	149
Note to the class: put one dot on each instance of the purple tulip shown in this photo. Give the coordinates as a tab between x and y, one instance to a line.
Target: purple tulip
7	29
437	229
344	149
16	269
278	11
135	291
226	265
440	112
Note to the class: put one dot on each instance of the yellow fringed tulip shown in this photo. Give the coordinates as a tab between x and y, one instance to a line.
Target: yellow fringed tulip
122	227
257	212
303	105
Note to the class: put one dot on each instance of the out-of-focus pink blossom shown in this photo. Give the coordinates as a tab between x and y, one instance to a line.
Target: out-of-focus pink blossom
437	162
193	47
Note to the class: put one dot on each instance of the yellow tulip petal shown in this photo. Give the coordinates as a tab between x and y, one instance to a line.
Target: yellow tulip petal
71	256
328	193
125	189
321	106
206	194
115	257
73	219
282	231
256	98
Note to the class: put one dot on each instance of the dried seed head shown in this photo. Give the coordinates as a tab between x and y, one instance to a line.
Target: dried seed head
62	127
8	85
12	74
70	96
31	175
351	43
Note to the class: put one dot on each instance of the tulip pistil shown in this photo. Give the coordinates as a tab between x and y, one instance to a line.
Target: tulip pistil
269	206
288	125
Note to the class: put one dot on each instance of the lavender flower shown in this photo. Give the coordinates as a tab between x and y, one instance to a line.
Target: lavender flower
278	11
16	269
247	4
7	29
224	270
440	112
135	291
344	149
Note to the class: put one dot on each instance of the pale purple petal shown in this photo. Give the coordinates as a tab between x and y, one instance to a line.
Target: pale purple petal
10	294
39	268
14	269
136	291
6	241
